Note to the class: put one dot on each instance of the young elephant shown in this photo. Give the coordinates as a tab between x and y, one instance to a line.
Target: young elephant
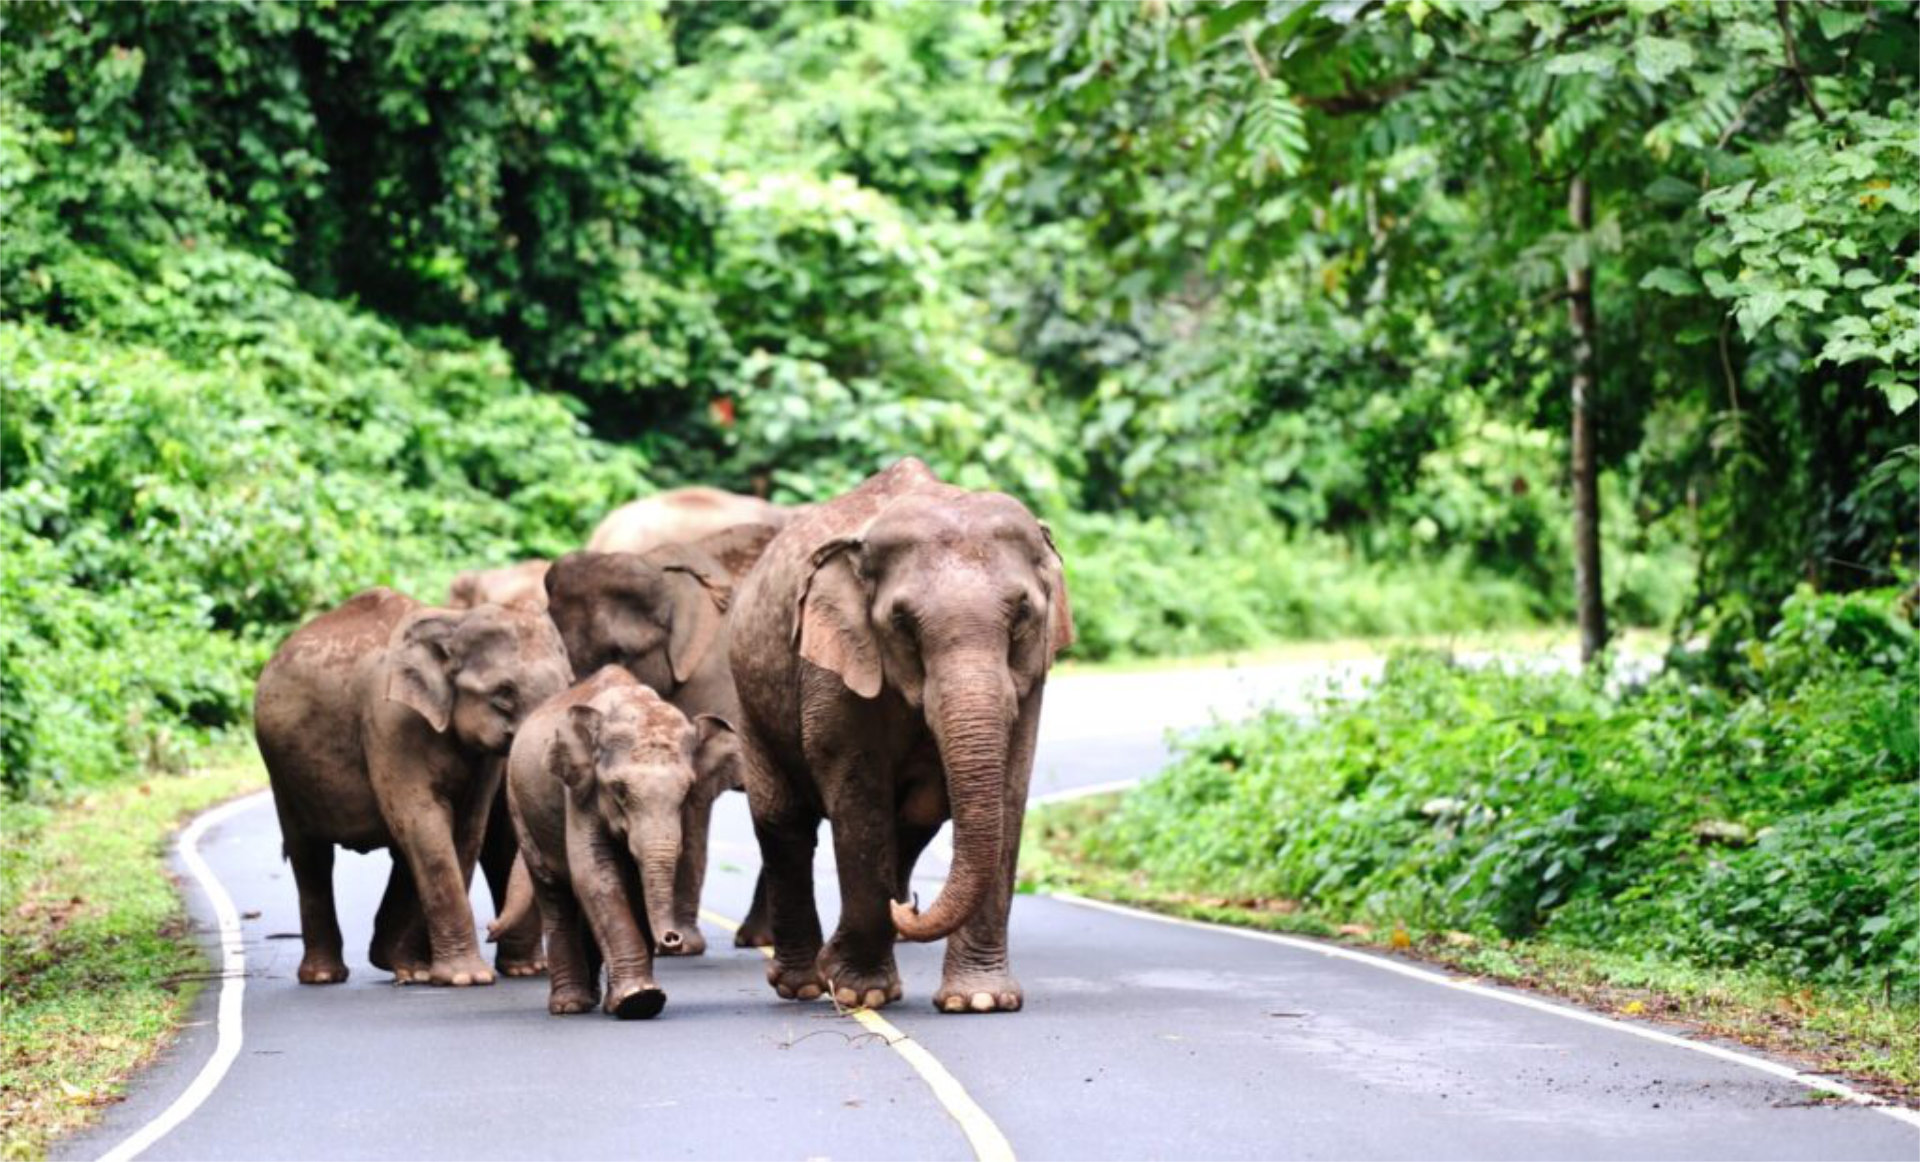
662	616
890	652
385	723
599	785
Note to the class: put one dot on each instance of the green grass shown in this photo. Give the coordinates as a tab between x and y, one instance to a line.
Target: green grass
98	963
1851	1032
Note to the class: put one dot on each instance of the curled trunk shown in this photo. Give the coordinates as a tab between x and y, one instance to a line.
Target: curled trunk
970	716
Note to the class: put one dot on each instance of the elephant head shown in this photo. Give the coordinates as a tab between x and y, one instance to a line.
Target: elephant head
476	673
657	615
955	602
629	758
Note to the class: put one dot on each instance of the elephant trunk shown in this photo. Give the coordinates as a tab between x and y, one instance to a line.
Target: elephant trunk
518	907
657	855
970	706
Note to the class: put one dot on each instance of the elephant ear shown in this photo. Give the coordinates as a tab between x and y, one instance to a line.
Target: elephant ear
716	752
1059	612
833	629
570	756
423	664
699	606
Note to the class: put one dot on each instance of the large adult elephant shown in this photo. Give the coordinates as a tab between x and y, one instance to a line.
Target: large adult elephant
890	653
680	516
523	584
386	723
663	617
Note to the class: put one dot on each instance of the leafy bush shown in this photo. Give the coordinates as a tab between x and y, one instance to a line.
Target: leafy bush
1513	803
1150	587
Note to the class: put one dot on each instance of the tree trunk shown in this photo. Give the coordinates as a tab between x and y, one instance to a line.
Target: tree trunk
1588	597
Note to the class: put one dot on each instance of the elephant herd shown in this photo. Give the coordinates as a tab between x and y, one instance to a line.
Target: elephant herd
876	660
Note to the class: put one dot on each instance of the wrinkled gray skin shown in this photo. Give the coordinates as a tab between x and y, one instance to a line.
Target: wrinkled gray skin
385	723
679	516
890	652
523	584
598	786
662	616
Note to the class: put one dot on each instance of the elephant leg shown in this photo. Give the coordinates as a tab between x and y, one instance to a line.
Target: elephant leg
312	861
607	892
788	829
400	930
573	979
909	841
433	848
518	948
977	976
690	872
756	931
858	964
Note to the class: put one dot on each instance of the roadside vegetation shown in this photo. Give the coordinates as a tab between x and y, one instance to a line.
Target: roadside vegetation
1735	844
1294	321
96	962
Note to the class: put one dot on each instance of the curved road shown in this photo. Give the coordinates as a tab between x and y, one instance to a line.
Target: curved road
1142	1038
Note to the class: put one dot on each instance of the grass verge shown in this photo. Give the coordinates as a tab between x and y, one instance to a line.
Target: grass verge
1864	1038
95	954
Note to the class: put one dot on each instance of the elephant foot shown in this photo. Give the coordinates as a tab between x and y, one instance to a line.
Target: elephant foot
411	972
322	968
852	987
979	993
795	982
692	942
636	1000
563	1002
520	962
753	935
460	971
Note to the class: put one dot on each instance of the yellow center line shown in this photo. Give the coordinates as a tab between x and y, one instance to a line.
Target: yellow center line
989	1144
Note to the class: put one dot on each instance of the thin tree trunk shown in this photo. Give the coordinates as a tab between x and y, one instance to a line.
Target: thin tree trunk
1588	597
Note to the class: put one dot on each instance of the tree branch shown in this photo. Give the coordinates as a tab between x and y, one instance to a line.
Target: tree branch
1793	59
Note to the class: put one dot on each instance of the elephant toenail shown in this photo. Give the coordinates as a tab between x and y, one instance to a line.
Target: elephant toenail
983	1002
846	997
954	1004
809	991
785	992
875	998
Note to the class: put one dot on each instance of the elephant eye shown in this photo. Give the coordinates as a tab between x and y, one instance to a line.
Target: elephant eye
1023	610
903	621
505	698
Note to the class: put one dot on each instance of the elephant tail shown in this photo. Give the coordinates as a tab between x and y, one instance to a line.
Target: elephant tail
519	904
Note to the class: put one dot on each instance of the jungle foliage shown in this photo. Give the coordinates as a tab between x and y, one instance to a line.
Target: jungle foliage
1767	823
1257	303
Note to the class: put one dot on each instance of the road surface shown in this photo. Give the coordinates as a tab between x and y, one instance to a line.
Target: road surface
1142	1038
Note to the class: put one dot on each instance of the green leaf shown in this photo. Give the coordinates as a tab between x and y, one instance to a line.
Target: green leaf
1597	61
1758	309
1900	392
1658	57
1672	280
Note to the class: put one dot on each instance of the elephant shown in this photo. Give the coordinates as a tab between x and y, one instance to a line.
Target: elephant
599	785
523	584
386	723
679	516
890	653
662	615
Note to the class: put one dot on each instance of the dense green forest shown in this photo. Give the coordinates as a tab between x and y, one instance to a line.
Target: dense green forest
1285	315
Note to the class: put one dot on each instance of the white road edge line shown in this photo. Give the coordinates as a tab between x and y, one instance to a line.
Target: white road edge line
1810	1080
988	1143
233	987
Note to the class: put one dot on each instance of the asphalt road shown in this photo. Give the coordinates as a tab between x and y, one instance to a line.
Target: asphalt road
1141	1038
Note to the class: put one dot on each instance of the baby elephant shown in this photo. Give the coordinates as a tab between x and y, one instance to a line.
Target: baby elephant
384	723
599	784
